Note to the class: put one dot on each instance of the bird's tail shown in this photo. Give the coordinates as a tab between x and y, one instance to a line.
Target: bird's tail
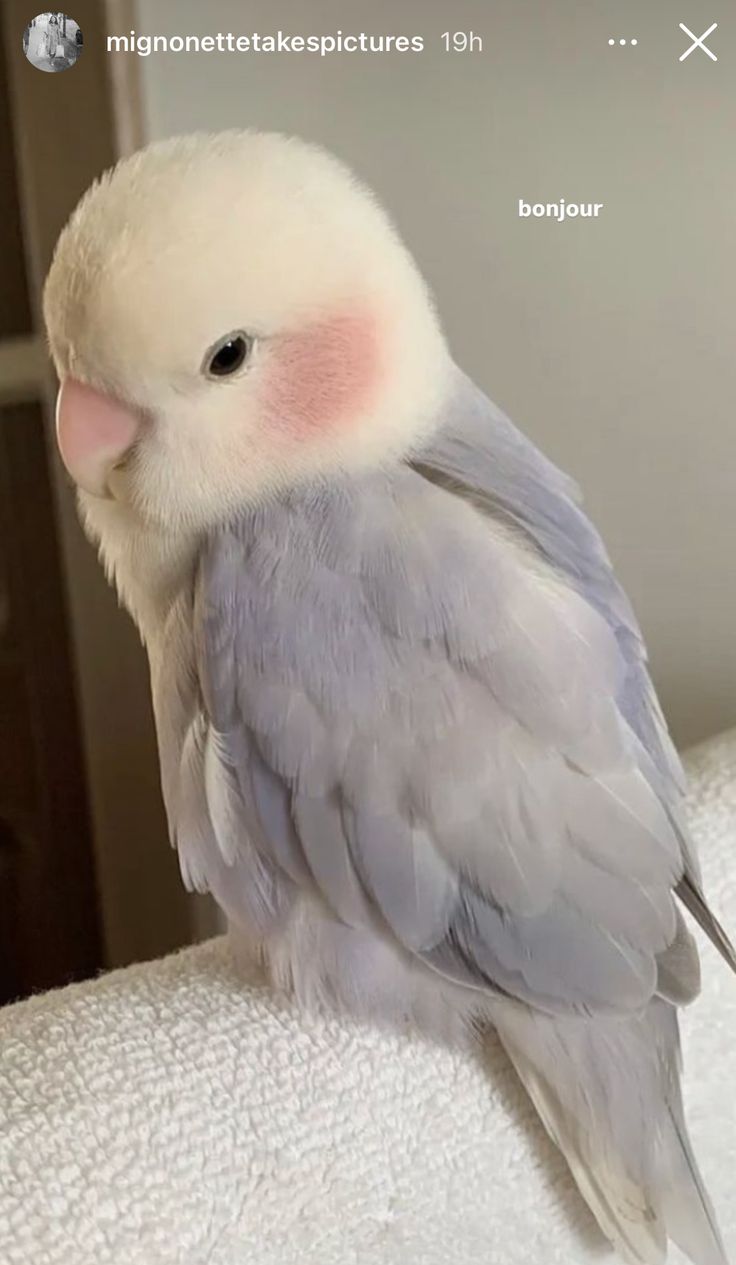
607	1090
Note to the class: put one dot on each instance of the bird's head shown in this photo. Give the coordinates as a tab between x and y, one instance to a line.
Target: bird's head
229	315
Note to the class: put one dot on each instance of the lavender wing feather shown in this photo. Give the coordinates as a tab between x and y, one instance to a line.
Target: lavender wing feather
418	700
486	454
426	726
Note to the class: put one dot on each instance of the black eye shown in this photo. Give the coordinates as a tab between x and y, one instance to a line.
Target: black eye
227	355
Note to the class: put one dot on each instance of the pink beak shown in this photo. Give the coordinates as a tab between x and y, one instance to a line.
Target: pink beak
94	432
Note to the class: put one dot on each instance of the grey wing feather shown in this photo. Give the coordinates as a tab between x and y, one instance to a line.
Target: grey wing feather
485	457
481	449
422	698
445	752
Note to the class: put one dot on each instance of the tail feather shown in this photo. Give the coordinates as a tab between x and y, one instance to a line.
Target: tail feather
620	1207
694	901
607	1092
688	1212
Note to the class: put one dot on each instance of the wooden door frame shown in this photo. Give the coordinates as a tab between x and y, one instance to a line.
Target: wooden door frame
68	128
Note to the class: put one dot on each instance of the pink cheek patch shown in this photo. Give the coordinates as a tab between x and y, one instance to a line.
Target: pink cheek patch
321	377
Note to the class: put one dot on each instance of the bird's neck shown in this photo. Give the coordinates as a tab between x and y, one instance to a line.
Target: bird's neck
149	568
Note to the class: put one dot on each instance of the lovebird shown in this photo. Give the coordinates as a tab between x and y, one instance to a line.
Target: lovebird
407	734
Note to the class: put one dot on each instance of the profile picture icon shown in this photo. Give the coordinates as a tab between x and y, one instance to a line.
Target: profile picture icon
52	41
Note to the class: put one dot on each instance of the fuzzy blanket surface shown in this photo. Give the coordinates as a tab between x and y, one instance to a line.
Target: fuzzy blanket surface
176	1114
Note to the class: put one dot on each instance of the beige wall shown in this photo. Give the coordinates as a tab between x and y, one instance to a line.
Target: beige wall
611	341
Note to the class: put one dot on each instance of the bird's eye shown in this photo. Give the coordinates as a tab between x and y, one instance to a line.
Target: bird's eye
227	356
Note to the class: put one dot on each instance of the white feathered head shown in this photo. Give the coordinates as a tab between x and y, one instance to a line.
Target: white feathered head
227	315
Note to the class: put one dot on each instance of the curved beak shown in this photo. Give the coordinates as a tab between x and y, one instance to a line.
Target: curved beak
94	432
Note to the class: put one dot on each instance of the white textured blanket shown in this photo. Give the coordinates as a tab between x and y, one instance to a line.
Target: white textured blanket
170	1114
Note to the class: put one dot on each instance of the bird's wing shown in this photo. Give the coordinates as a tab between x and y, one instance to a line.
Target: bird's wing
408	712
481	455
